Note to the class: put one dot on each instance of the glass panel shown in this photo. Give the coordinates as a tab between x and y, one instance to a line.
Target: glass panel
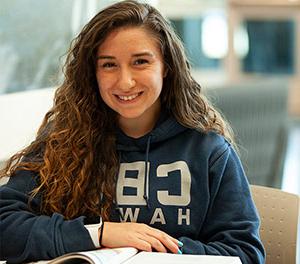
35	36
271	47
190	31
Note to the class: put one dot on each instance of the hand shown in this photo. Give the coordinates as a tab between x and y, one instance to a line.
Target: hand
140	236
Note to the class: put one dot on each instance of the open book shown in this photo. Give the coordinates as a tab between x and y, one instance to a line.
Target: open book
132	256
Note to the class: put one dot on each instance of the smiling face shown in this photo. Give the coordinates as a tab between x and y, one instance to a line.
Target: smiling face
130	72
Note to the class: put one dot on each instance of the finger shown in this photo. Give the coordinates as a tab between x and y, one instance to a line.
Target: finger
177	242
167	241
143	245
171	245
155	243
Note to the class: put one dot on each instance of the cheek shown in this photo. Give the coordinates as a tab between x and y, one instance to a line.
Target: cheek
104	83
103	87
157	81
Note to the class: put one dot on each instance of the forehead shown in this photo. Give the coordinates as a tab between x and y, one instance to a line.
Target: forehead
129	38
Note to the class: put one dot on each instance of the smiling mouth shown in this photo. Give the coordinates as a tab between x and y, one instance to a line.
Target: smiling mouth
128	97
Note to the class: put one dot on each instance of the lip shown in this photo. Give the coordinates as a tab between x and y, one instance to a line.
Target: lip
127	100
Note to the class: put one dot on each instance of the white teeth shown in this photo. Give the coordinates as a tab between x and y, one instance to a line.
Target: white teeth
128	98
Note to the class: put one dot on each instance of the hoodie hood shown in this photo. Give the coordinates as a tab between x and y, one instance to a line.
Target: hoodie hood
166	127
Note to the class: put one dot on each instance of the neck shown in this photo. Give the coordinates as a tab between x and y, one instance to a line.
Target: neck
140	126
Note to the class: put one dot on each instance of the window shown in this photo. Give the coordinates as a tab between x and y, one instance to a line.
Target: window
35	35
205	39
271	47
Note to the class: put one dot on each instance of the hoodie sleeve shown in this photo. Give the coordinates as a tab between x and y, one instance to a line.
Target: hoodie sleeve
28	236
231	225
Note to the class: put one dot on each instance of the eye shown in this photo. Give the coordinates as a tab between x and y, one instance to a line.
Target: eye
140	62
108	65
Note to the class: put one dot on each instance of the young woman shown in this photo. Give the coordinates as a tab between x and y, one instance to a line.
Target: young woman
131	154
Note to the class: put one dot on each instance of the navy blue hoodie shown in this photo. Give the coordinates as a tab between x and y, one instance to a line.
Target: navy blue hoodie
187	183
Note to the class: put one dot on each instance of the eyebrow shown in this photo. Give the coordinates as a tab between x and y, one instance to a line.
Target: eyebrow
150	54
142	54
105	57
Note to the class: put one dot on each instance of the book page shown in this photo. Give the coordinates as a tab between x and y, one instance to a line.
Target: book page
111	256
100	256
168	258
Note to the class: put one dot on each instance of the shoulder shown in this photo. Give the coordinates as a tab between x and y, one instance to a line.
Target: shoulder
22	180
210	141
208	146
214	140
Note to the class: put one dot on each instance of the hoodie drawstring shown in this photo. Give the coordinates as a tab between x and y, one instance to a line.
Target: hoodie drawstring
117	208
146	182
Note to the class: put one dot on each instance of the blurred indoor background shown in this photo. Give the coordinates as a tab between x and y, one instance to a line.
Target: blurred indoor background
244	53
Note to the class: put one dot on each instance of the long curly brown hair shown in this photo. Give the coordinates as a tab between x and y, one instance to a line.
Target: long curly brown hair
74	152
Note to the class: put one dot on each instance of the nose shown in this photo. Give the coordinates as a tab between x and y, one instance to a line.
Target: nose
126	79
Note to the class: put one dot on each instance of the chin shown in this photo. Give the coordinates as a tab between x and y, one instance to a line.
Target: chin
130	115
